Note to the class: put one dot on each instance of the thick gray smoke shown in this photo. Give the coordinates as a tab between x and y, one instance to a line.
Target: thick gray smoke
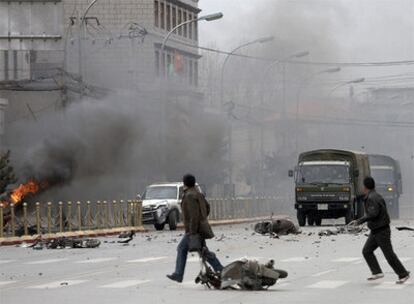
112	148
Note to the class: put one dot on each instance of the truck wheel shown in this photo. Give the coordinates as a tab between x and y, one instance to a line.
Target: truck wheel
172	220
318	221
301	218
349	216
311	220
159	227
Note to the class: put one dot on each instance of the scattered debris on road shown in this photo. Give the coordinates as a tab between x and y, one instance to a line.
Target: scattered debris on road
127	237
343	230
242	274
402	228
277	227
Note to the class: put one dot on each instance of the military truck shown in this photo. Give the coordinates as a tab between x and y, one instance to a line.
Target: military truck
329	184
387	175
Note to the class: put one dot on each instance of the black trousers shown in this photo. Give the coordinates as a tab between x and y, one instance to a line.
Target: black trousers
382	239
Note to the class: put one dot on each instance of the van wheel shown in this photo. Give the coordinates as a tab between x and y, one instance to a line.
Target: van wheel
159	227
172	220
301	218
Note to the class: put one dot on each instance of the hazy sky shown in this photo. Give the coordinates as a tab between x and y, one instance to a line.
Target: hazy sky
363	29
332	30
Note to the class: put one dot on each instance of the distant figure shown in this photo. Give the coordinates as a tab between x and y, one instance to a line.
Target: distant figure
376	215
195	209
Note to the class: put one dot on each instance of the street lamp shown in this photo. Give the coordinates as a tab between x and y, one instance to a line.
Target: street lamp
260	40
210	17
300	89
81	35
357	80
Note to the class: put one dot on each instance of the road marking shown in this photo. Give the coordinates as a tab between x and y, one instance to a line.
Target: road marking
347	260
125	284
40	262
6	261
327	284
319	274
3	283
296	259
145	260
357	263
95	261
390	285
403	259
58	284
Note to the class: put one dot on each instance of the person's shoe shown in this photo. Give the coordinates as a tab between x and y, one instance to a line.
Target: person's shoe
175	277
403	279
375	277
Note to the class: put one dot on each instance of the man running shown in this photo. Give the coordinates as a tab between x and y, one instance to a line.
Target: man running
378	220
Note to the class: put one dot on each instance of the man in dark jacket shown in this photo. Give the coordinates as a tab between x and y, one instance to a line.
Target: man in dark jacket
378	220
194	210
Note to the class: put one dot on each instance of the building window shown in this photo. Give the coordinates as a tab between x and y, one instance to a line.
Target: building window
156	14
176	66
196	73
190	26
190	72
157	63
162	16
180	18
195	29
168	14
174	17
185	26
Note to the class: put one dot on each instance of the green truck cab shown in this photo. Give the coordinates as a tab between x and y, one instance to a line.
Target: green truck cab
387	175
329	184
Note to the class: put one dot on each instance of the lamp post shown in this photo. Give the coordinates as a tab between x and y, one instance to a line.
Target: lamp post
81	35
210	17
260	40
264	76
305	83
357	80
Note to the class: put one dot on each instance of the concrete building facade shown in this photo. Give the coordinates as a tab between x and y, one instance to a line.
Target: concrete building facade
46	53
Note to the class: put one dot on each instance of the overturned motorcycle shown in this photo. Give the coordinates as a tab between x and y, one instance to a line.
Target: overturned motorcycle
242	274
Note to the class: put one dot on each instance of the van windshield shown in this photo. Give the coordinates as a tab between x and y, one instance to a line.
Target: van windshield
164	192
324	174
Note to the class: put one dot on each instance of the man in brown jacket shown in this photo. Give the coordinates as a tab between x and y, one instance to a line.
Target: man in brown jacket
194	209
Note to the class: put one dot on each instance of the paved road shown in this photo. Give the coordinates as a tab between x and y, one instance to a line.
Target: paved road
321	270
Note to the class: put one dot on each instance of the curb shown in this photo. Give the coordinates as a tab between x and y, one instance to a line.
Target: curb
10	241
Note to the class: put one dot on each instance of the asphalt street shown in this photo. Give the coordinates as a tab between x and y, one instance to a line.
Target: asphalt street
327	269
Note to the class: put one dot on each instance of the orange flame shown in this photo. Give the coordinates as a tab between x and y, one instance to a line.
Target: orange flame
18	194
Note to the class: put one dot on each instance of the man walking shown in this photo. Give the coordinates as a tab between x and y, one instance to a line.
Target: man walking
195	210
378	221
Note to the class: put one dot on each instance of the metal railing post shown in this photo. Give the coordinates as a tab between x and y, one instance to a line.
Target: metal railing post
26	232
49	217
88	215
12	220
69	216
38	218
98	214
78	205
114	214
1	220
60	217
